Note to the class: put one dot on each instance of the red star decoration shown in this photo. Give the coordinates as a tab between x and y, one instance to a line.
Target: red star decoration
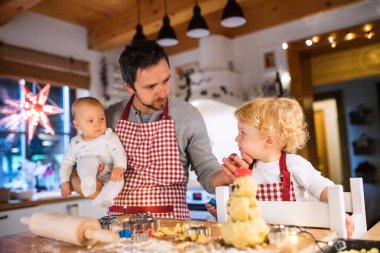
34	109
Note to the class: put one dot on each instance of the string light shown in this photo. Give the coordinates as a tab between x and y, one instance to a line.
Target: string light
365	31
350	36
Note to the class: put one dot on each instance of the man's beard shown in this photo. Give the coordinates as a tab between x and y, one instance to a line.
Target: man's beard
152	106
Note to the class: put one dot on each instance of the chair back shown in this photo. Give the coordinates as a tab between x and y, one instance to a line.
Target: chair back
330	215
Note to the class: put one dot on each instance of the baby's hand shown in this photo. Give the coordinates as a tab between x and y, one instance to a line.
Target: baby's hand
66	189
349	226
117	173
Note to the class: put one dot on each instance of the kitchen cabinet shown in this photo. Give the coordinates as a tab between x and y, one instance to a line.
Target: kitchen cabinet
10	220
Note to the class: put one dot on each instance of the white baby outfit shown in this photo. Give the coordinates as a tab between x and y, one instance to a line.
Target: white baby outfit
87	156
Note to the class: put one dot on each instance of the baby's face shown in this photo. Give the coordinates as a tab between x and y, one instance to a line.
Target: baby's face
250	141
91	121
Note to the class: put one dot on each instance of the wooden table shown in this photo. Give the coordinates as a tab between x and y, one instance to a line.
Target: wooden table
373	233
27	242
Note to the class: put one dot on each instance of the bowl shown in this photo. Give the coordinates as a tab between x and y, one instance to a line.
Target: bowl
22	194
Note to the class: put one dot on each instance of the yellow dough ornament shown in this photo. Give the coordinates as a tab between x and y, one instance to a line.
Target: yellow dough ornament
244	228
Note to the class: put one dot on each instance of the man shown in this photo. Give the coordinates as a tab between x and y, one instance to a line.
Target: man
163	137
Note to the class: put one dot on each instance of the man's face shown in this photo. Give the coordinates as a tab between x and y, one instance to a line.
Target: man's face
152	87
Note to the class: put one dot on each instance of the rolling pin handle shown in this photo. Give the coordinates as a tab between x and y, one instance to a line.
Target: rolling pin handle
24	220
101	235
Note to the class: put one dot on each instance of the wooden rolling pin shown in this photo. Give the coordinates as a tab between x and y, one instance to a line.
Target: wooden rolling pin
81	231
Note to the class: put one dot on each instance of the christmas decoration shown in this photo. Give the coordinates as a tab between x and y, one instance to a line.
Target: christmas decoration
32	108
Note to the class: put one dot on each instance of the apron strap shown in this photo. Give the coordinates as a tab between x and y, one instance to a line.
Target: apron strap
141	209
162	116
285	178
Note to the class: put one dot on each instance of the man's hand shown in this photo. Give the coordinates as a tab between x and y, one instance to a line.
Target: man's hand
66	189
350	226
227	173
76	183
117	174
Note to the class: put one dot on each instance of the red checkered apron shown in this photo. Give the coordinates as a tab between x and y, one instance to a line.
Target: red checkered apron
155	181
283	191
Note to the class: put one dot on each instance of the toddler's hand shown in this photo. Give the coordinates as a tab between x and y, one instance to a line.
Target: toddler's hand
66	189
117	173
211	209
350	226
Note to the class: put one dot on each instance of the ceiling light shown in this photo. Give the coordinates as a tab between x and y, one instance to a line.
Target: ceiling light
139	34
309	43
233	15
198	27
139	30
166	35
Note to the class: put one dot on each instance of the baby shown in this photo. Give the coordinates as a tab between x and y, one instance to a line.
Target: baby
95	145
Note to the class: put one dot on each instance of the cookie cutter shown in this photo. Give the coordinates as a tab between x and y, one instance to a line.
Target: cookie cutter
144	222
140	236
198	230
109	222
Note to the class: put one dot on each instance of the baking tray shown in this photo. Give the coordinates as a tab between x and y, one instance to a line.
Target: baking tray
342	244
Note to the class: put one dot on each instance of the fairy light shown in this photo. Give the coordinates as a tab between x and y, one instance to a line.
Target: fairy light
315	39
284	45
369	35
367	27
309	43
350	36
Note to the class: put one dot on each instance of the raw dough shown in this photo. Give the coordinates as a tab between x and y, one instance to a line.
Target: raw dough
245	227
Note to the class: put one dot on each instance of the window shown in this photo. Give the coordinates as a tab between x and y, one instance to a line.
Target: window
34	163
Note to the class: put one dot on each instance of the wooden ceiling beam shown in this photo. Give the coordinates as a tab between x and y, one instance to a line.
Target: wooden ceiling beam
121	29
9	9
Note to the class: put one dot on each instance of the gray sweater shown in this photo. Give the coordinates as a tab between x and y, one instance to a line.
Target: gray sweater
192	138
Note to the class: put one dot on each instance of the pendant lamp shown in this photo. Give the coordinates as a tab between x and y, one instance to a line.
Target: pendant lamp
166	35
233	15
198	27
139	30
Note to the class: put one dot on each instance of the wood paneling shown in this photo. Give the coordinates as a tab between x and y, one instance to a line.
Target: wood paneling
11	8
112	23
346	65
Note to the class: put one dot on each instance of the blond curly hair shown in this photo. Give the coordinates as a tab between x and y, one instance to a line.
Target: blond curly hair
282	118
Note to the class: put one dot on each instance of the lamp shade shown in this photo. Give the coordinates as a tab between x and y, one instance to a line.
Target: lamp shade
139	34
166	35
233	15
198	27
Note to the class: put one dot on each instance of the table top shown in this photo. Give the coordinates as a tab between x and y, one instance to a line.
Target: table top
28	242
373	233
